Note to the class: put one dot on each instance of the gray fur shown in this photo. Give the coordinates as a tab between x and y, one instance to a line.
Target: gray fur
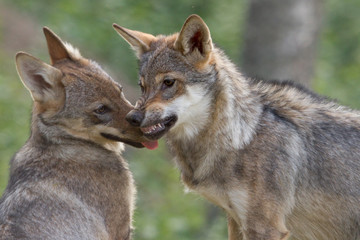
282	162
69	180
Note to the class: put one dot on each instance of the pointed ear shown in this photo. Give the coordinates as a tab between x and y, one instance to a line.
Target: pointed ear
41	79
56	47
194	39
139	41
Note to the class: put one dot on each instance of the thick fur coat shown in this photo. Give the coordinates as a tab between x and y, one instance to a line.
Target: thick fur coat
282	162
69	180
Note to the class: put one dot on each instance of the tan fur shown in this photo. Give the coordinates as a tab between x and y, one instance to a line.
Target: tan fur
138	40
69	180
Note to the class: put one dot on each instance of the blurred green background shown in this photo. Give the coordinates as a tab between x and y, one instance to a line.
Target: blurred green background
164	210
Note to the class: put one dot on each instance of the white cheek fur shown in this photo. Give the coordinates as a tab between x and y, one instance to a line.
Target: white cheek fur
192	110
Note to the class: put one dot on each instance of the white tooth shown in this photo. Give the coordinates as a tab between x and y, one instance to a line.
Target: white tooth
154	128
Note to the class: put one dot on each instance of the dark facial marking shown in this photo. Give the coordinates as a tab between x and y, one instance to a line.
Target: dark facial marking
118	139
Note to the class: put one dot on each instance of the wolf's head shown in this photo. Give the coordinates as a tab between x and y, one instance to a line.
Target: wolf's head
73	97
177	77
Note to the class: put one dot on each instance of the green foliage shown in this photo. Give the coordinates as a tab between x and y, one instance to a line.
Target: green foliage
338	66
88	24
14	117
163	211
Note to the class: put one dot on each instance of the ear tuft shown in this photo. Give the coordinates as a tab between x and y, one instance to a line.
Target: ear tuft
194	39
139	41
41	79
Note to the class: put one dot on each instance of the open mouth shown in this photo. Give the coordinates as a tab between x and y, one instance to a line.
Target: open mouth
126	141
158	129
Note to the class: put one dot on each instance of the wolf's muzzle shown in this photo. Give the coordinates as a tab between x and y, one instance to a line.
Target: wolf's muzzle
135	117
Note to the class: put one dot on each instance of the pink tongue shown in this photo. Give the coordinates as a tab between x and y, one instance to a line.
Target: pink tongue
151	145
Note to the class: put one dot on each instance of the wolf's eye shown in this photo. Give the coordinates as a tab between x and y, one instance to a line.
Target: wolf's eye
102	109
141	87
169	82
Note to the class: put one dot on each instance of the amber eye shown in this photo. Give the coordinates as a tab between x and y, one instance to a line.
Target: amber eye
102	109
169	82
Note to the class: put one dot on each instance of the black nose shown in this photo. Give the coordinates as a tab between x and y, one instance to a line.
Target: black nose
135	117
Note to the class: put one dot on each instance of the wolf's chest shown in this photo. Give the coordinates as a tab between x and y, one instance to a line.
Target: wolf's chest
234	201
208	175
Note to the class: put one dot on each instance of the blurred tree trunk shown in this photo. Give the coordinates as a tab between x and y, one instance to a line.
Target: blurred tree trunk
281	38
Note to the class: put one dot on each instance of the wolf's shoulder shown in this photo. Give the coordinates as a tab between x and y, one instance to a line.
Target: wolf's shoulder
301	105
284	89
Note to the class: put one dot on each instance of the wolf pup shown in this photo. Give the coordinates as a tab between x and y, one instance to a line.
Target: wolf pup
280	160
69	181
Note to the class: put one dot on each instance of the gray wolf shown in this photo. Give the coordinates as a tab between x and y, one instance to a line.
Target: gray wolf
281	161
69	180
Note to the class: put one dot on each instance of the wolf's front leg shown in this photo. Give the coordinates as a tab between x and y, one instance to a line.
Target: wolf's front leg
234	232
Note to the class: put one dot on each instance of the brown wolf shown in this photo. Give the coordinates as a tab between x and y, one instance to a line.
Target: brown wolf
69	181
280	160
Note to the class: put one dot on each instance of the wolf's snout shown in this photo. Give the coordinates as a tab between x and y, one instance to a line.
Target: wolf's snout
135	117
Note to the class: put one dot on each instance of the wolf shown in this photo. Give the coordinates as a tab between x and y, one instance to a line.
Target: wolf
69	180
283	162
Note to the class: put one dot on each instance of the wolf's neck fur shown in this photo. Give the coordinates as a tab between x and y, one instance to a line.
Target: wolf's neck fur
46	131
233	115
236	109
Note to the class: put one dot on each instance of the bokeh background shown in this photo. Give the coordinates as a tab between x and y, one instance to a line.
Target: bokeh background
164	209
